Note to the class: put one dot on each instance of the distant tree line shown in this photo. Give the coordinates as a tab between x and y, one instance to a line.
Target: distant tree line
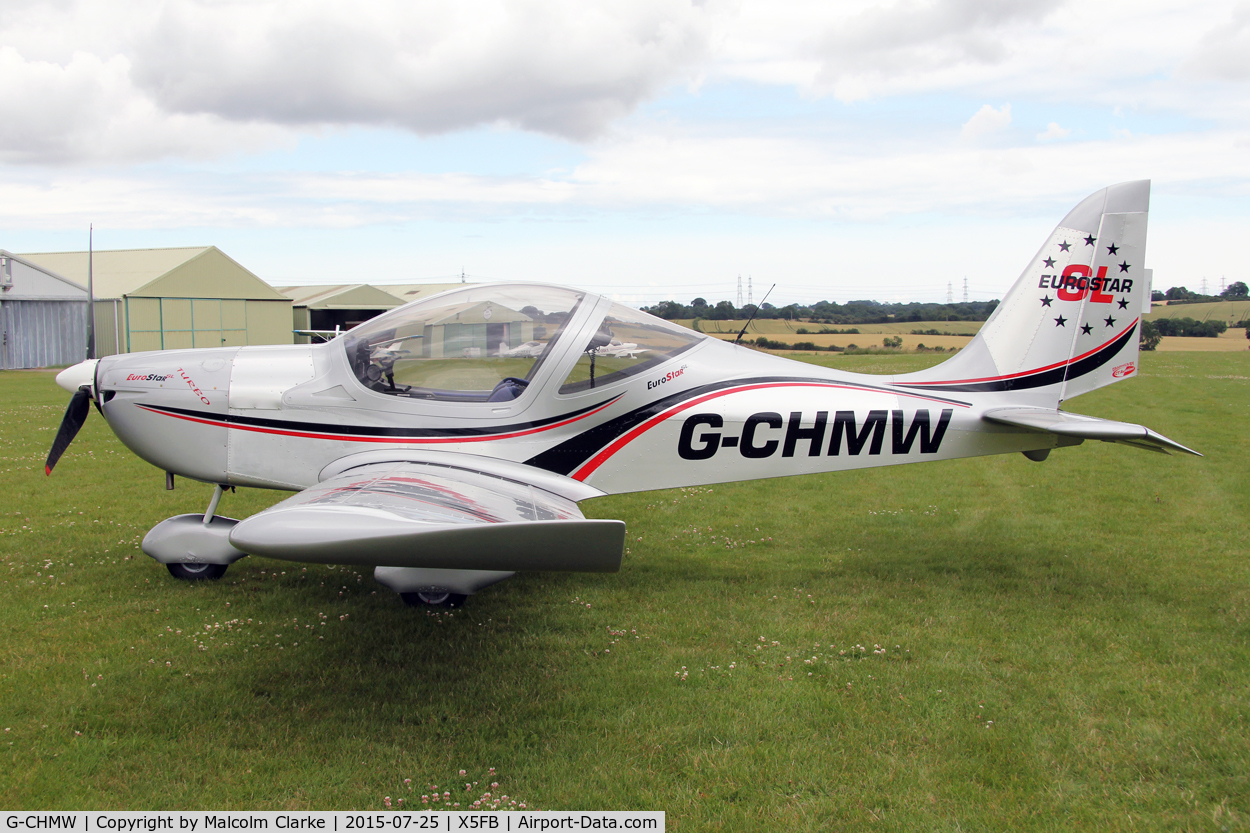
1190	327
1235	291
1152	331
827	312
888	344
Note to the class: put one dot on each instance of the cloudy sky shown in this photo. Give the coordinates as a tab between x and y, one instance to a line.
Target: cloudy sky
650	149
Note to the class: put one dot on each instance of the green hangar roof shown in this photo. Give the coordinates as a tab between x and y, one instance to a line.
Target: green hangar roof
192	272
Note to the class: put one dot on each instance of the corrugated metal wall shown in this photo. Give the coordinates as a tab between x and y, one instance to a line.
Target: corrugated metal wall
42	333
109	328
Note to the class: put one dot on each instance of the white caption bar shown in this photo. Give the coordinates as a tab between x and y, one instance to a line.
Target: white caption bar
331	822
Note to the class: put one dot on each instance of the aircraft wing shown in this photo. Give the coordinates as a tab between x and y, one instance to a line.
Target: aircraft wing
424	514
1084	427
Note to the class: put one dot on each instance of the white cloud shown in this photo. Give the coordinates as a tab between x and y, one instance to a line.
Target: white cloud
1223	53
95	81
911	36
985	121
1088	53
87	109
172	75
91	87
649	176
1054	131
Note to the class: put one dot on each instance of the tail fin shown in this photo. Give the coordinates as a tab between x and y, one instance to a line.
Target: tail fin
1071	323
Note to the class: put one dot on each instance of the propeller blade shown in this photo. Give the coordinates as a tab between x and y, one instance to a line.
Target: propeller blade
75	416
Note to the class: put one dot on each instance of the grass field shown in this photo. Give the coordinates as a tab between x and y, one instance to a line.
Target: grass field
1227	311
987	644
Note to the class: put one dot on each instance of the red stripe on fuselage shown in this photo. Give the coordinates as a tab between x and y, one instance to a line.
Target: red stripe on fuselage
355	438
1102	346
602	457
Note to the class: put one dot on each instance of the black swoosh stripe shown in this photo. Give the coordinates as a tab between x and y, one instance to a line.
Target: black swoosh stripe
568	455
373	430
1041	379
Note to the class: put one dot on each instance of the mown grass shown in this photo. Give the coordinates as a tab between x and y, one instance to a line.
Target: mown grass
984	644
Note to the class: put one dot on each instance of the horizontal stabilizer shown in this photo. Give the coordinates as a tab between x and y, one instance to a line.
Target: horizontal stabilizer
1084	427
407	514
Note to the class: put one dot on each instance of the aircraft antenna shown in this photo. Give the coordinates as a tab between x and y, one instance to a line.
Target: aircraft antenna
754	312
90	294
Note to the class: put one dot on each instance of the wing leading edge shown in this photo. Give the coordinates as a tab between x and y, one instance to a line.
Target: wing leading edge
413	514
1084	427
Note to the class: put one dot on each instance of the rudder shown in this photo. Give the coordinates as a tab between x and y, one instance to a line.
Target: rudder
1071	322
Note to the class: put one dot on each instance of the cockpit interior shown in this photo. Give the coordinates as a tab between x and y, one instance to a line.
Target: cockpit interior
489	343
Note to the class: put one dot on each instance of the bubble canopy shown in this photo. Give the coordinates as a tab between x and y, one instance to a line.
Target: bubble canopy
487	343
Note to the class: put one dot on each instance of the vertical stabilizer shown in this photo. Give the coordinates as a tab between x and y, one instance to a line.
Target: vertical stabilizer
1071	323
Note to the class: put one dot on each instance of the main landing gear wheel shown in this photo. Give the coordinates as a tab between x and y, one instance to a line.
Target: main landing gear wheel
197	572
431	598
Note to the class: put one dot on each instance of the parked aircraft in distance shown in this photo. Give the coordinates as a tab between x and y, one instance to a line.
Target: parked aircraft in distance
528	350
447	442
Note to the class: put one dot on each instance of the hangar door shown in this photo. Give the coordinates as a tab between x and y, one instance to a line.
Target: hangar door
42	333
173	323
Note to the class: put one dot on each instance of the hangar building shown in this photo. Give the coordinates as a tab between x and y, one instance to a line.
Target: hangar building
409	292
326	308
43	316
162	299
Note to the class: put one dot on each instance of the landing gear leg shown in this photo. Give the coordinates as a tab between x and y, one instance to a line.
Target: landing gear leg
218	491
194	547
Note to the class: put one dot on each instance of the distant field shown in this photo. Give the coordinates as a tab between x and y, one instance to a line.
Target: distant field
1227	311
986	644
910	342
870	335
1234	340
779	326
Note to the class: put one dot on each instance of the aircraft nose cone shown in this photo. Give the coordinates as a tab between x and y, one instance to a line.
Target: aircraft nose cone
73	378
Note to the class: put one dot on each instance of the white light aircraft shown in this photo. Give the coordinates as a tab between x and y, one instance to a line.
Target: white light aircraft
622	349
414	447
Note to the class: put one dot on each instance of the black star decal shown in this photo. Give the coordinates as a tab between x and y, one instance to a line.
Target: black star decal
1089	241
1112	249
1109	321
1050	262
1085	328
1059	322
1124	266
1123	303
1064	246
1046	299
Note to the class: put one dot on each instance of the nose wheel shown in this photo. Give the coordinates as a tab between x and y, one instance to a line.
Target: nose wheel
194	547
197	572
433	598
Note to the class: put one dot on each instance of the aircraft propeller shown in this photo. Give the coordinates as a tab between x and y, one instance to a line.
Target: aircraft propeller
75	416
80	379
